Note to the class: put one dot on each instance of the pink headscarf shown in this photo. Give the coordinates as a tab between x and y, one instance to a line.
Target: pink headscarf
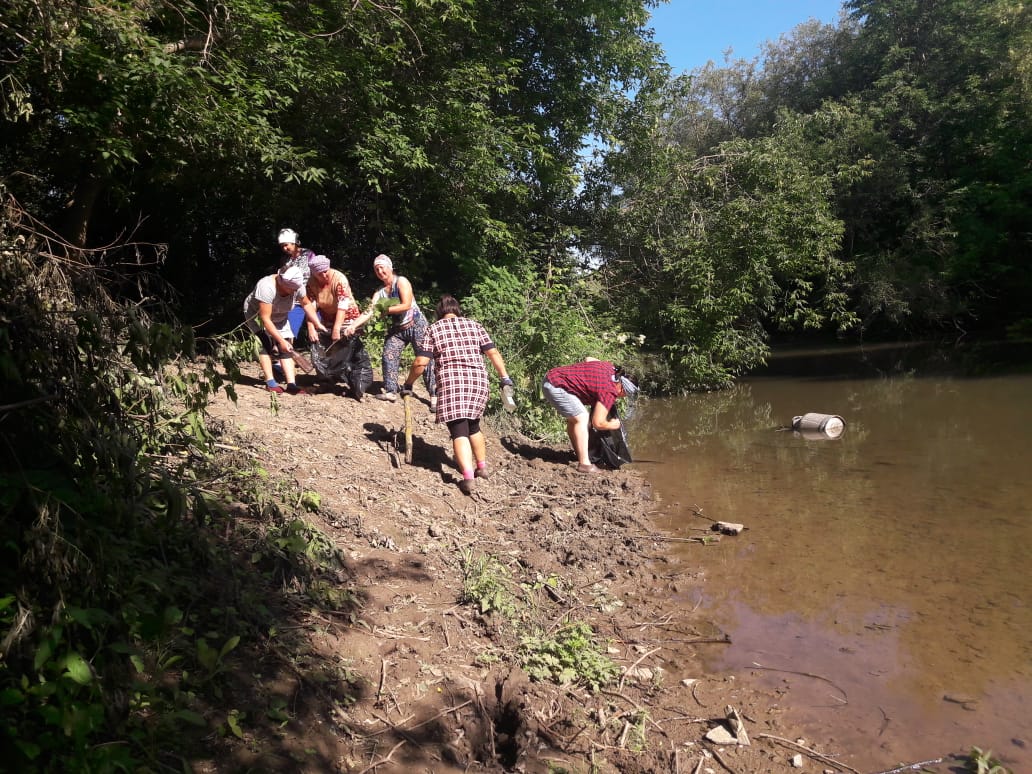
318	263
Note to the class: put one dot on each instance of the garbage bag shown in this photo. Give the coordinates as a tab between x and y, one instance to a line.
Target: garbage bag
608	448
345	361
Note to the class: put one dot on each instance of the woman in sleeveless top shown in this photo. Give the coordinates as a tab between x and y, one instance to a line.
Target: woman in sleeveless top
407	325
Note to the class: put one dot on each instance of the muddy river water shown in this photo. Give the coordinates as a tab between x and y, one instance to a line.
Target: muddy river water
883	583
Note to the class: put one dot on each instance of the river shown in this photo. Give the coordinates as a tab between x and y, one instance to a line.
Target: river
882	584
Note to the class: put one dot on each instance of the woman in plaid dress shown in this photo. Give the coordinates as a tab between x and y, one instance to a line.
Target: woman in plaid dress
457	346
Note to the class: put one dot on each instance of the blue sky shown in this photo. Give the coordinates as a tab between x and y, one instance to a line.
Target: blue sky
695	31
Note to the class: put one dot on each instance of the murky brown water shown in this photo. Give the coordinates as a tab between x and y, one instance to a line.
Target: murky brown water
891	565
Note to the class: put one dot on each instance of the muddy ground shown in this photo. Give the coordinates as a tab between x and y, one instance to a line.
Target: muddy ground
414	680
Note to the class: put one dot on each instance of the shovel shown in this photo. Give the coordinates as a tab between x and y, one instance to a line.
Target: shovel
302	362
408	430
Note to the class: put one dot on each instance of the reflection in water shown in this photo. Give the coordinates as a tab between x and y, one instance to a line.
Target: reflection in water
892	561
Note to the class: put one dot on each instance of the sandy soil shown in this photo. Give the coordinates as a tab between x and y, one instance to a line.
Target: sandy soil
425	683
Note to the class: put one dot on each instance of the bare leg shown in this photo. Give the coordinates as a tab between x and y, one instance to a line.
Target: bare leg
463	453
288	370
266	364
577	429
479	445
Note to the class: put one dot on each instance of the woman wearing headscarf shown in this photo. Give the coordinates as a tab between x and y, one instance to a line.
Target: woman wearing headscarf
347	361
292	254
572	389
265	315
331	292
406	325
457	345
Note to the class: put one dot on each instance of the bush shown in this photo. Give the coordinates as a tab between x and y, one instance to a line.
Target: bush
537	325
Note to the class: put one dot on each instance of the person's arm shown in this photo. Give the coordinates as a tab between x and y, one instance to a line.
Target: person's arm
362	319
345	304
313	319
600	418
338	324
499	364
342	290
418	365
265	315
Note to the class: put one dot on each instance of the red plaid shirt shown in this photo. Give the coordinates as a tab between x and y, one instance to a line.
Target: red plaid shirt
590	381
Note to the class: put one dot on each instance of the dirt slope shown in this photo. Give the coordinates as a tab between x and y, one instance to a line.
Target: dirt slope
433	685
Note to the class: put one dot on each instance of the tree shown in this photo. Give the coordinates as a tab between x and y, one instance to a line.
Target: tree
943	86
705	252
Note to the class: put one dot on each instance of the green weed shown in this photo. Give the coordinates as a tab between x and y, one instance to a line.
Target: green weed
487	583
982	762
569	655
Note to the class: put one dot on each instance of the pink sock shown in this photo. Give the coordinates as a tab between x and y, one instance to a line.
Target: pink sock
482	464
467	474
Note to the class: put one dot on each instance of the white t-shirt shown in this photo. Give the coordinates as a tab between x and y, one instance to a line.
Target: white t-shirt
265	292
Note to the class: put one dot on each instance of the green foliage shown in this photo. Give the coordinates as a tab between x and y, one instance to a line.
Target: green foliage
487	583
712	250
124	614
982	762
568	655
862	177
538	325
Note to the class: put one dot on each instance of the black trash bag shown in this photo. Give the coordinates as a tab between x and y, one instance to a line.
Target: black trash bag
360	379
344	361
608	448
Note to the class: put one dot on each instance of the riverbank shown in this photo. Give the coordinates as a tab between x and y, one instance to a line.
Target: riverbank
412	664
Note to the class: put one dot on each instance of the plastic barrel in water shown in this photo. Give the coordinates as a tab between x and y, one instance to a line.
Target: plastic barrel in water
815	425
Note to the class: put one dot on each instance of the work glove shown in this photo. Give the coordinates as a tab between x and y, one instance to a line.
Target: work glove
406	389
506	382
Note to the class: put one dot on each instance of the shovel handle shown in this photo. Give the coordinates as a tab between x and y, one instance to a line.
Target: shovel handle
408	430
303	362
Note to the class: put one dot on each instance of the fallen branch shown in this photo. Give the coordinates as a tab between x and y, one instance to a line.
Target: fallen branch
697	701
722	762
386	759
668	539
627	671
383	676
24	403
913	766
808	751
844	698
440	714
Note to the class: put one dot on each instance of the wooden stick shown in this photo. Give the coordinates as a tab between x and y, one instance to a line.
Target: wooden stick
913	766
808	751
384	760
720	760
440	714
671	539
383	677
635	664
845	696
408	430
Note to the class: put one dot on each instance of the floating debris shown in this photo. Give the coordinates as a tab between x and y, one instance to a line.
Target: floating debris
815	426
